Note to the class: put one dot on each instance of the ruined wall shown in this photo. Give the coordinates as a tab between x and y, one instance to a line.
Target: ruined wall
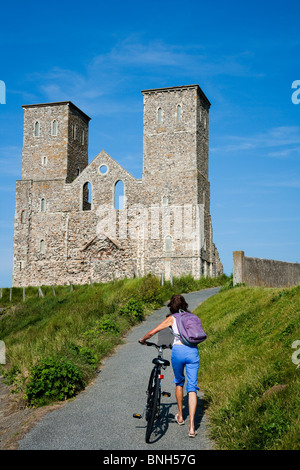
264	272
67	228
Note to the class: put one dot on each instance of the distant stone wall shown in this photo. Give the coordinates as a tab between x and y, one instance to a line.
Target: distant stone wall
264	272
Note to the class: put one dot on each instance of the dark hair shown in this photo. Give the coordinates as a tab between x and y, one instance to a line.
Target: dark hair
177	303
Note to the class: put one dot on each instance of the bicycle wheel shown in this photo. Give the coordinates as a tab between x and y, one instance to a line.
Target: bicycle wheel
150	393
152	402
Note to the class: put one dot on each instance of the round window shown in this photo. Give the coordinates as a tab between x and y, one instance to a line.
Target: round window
103	169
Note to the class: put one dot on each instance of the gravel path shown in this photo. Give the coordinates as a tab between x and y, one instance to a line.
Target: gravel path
100	418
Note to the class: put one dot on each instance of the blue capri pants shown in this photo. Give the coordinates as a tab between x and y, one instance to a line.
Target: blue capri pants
185	357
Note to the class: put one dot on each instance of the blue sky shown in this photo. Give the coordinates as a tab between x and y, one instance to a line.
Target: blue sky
100	55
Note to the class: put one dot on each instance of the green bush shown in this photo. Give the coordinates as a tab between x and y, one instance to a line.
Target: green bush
86	354
133	310
150	291
52	379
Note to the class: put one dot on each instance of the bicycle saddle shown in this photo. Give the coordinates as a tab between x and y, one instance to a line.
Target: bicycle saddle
163	362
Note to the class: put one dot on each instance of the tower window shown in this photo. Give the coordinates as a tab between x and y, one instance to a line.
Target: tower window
44	161
87	196
168	243
23	218
42	246
165	201
159	114
43	205
178	114
37	129
54	128
82	138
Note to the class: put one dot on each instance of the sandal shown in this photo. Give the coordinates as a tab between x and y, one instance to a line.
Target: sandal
178	422
193	434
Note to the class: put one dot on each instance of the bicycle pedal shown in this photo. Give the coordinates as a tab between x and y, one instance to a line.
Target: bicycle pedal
166	394
137	415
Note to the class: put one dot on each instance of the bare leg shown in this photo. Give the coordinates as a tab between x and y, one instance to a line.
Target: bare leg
192	410
179	398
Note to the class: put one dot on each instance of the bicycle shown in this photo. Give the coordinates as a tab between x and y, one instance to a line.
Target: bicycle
154	393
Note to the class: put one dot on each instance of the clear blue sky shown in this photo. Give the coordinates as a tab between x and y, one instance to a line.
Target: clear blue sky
100	55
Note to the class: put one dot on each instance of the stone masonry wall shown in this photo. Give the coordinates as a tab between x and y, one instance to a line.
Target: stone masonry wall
264	272
164	226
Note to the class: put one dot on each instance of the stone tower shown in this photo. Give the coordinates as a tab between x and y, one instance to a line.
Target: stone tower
175	171
55	143
67	227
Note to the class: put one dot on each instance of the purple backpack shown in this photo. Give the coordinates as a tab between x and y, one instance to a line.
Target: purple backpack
190	328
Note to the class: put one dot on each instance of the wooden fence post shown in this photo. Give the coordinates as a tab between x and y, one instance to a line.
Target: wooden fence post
10	294
91	281
53	291
40	292
23	294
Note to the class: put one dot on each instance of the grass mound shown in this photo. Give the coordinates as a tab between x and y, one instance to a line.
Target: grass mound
251	383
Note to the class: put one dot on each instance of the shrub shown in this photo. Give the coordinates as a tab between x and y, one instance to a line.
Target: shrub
52	379
86	354
133	310
150	291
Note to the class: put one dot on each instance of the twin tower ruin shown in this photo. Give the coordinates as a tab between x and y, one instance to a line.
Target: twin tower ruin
72	222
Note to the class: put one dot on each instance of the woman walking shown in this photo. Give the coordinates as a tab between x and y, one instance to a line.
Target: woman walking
183	357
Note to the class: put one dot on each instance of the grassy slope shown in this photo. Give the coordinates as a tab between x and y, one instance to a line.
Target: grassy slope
246	369
81	326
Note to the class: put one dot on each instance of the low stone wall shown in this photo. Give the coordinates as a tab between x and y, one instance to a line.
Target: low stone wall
264	272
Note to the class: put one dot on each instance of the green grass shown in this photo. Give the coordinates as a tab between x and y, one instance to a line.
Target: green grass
48	337
251	385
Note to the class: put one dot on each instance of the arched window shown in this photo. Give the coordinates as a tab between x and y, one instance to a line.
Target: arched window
178	114
37	129
82	138
42	246
168	243
165	201
119	195
43	205
54	128
159	114
23	218
87	196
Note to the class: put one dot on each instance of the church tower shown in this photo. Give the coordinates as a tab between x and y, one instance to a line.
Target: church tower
55	143
176	143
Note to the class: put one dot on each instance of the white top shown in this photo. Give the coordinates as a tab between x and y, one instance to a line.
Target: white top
175	330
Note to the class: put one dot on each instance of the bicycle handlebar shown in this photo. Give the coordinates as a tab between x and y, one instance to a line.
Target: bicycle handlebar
163	346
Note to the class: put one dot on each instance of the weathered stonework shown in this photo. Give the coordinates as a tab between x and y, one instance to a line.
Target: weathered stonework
264	272
62	235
